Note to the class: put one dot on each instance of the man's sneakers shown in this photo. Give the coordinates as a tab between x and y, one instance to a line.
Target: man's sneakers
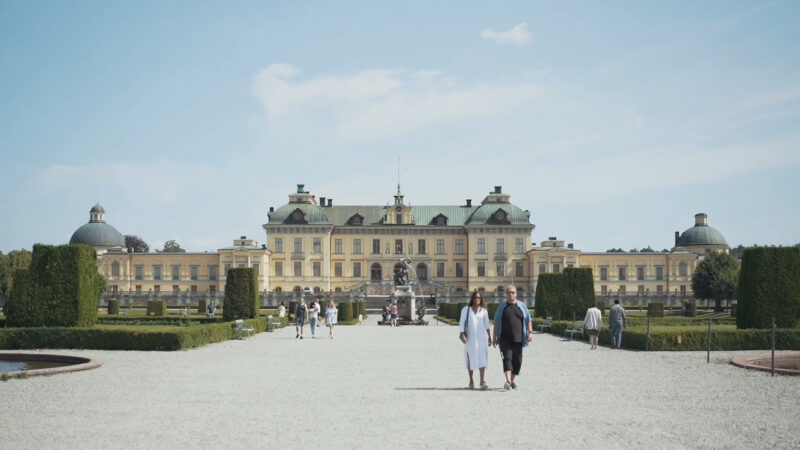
507	386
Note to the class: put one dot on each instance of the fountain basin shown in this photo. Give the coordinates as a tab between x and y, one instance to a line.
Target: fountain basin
14	365
785	364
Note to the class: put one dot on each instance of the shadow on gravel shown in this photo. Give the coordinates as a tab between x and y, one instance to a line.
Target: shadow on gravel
449	389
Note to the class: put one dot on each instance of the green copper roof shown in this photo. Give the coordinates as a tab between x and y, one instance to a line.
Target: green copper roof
98	234
701	235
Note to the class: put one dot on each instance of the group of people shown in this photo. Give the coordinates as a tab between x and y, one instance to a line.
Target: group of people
513	330
310	313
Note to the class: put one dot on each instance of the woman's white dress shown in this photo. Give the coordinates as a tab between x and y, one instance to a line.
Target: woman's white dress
476	350
331	315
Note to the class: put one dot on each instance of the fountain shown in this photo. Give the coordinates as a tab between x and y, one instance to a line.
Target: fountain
22	365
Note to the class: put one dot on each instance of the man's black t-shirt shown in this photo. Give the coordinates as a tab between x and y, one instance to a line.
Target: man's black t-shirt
512	324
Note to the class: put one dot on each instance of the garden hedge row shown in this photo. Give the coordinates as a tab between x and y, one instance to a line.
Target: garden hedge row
769	286
157	308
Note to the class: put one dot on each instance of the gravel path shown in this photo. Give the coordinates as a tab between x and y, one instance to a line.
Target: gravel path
376	386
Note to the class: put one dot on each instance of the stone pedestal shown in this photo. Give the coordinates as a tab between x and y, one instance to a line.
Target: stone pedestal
406	302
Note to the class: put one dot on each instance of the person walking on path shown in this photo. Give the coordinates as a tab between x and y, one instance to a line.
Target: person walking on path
300	318
474	321
593	322
618	321
313	317
330	317
393	313
513	330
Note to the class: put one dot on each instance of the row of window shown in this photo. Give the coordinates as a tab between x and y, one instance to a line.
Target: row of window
500	246
157	288
641	289
158	273
622	272
421	270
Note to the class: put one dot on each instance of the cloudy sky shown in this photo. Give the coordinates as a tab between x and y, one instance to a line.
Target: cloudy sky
612	122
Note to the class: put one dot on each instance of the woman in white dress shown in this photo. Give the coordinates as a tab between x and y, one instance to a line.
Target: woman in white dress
473	323
331	314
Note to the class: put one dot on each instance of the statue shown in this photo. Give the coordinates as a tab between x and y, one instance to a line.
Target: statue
401	276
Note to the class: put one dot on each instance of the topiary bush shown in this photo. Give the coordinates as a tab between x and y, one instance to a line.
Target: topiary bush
202	307
655	309
690	309
156	308
578	294
241	294
61	288
549	293
769	286
491	309
345	311
113	307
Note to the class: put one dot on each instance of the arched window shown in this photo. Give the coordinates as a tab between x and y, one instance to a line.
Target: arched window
277	289
297	289
376	274
115	269
338	289
422	272
316	290
481	289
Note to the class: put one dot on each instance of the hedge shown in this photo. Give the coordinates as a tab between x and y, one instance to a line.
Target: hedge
60	288
690	309
769	286
113	307
655	309
115	337
157	308
345	311
202	307
549	291
241	294
578	291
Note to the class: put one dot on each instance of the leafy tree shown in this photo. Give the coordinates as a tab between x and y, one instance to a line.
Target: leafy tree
615	250
647	249
136	243
716	278
13	261
171	247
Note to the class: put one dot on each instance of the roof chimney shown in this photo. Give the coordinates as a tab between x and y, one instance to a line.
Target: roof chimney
322	201
330	202
498	189
700	220
300	188
271	209
242	237
569	245
677	236
469	203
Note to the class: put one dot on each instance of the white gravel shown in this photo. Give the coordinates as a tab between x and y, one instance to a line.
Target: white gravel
398	388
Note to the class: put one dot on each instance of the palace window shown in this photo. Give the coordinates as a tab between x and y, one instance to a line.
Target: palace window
459	246
422	272
481	269
459	270
278	268
421	246
440	246
115	269
501	269
298	245
357	246
298	269
623	273
603	273
556	268
481	245
337	269
640	273
194	271
398	246
337	246
278	245
501	246
376	246
659	273
317	245
440	269
176	272
357	269
139	270
316	266
519	269
682	269
542	268
519	245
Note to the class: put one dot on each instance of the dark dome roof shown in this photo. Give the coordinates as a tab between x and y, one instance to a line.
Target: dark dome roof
701	234
97	208
98	234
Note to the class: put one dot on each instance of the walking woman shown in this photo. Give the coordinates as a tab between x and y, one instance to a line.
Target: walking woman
473	324
330	317
593	322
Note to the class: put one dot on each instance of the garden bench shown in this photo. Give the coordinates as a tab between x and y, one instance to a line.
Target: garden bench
272	323
576	328
548	322
242	329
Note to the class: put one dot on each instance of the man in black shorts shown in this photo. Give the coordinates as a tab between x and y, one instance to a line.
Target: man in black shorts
512	331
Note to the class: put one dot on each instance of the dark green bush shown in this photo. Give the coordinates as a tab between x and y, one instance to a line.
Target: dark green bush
769	286
655	309
578	294
345	311
549	293
202	307
491	309
113	307
241	294
601	305
61	288
156	308
690	309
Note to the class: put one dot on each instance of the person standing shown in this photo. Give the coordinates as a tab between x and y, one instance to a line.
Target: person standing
330	317
393	313
313	317
593	322
513	330
473	323
300	314
618	321
282	309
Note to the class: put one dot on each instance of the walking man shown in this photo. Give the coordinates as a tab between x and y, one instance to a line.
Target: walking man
512	331
618	321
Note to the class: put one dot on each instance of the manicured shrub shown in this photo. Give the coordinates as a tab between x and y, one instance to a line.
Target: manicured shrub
457	310
241	294
491	309
113	307
601	305
61	288
202	307
578	293
655	309
690	309
345	311
769	286
549	292
156	308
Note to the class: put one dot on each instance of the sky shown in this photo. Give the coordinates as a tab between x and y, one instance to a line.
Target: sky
612	122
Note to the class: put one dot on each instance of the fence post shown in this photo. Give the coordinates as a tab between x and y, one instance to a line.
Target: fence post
773	347
708	354
647	339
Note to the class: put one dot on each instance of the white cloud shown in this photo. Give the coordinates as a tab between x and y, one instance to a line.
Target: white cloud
516	36
382	103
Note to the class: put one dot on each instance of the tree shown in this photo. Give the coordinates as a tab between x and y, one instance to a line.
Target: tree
647	249
136	243
716	278
171	247
615	250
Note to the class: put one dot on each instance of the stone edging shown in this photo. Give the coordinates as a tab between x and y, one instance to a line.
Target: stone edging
75	363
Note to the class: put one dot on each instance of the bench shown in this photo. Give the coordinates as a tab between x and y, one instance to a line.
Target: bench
548	322
242	329
272	323
576	328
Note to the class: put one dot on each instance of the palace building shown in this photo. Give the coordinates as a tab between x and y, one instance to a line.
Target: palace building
451	249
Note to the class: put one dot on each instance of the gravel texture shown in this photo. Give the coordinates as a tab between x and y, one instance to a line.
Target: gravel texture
376	386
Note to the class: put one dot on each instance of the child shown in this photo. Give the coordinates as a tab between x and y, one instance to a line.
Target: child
330	317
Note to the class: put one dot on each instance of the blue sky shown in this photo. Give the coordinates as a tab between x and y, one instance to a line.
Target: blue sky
612	122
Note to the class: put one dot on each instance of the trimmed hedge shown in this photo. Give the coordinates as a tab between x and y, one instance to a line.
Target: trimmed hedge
578	291
115	337
202	307
61	288
655	309
241	294
491	309
157	308
345	311
690	309
549	292
769	286
113	307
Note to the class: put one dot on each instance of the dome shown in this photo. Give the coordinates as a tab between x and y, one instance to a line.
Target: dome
701	234
97	232
299	213
504	213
